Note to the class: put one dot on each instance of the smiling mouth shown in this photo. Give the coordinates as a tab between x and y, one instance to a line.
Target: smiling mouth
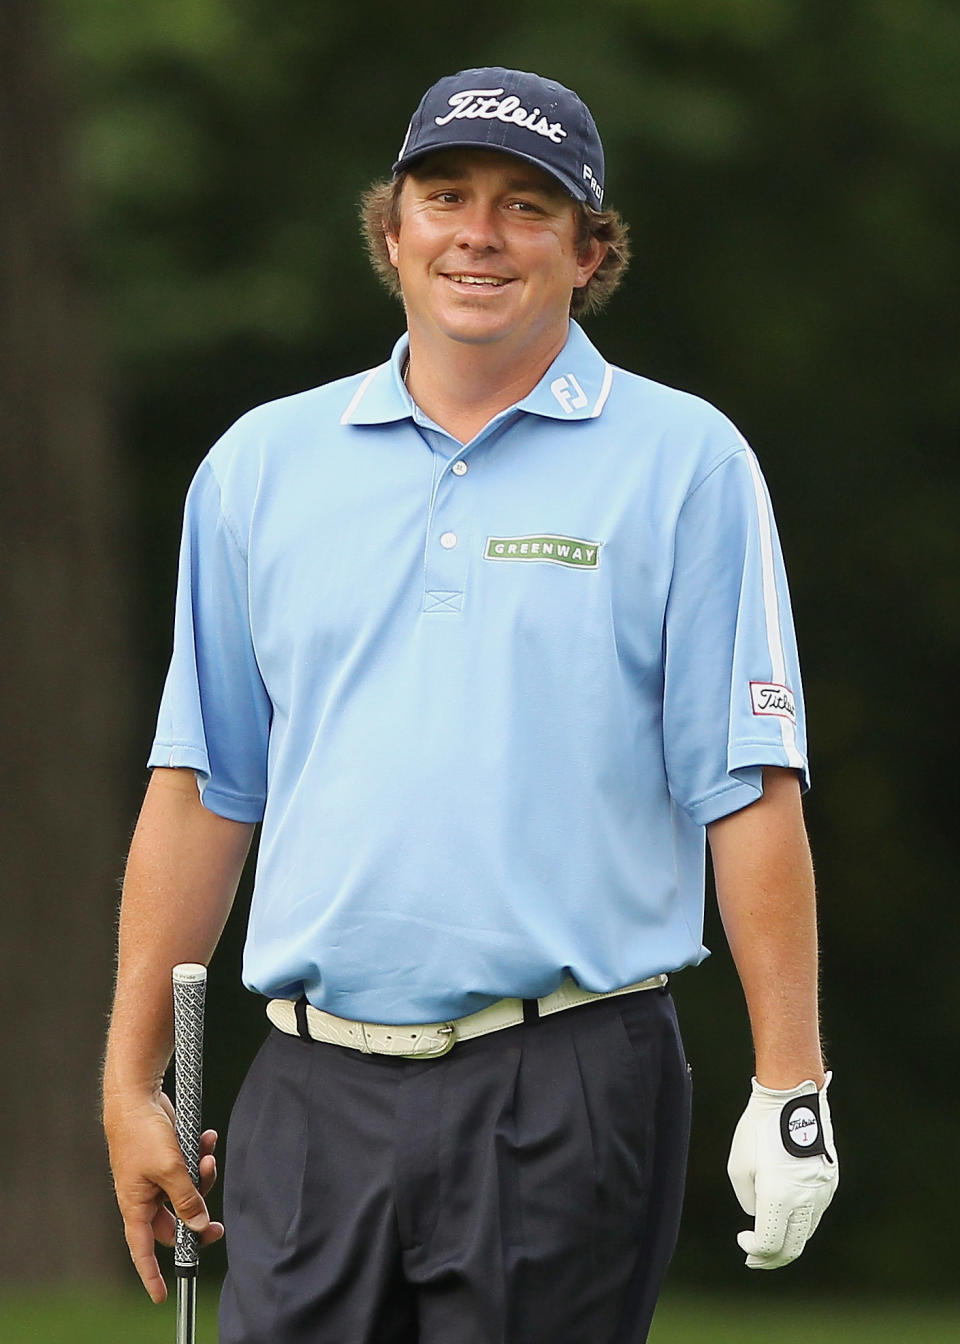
480	281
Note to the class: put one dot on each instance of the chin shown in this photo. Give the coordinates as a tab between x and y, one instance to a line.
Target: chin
477	332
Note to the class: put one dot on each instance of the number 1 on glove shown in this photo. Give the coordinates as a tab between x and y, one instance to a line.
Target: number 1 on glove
783	1169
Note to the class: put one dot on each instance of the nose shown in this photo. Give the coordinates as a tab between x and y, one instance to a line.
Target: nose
479	228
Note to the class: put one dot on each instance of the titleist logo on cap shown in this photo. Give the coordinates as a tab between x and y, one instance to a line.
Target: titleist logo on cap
487	103
511	112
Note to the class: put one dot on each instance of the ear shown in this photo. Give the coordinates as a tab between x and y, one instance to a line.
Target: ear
588	259
392	241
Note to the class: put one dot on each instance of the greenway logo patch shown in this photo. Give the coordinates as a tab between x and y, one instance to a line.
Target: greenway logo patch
548	549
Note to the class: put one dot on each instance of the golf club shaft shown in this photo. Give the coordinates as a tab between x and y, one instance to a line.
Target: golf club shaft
186	1309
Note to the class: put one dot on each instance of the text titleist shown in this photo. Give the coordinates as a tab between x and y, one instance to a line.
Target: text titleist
769	698
487	103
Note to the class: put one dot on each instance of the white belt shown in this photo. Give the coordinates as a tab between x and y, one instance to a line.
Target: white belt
434	1038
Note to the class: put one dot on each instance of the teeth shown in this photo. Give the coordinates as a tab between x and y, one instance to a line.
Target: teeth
478	280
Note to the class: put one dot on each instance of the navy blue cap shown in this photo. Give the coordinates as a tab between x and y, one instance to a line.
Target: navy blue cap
518	113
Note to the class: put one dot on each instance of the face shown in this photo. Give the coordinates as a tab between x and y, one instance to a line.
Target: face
486	251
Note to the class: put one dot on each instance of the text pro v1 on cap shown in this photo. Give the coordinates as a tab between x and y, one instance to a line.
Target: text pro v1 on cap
516	112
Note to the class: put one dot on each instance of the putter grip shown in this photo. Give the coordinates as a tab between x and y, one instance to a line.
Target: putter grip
189	994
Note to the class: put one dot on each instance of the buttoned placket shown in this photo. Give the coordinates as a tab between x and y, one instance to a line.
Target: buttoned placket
450	533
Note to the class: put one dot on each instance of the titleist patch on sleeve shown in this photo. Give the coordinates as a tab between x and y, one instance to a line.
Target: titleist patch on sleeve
769	698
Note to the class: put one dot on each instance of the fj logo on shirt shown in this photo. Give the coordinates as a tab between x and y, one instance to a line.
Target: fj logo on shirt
769	698
552	550
569	393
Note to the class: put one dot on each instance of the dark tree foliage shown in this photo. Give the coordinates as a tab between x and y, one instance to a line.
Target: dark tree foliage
790	173
64	702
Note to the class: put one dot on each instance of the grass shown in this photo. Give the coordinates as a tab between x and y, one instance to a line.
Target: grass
72	1318
692	1320
76	1318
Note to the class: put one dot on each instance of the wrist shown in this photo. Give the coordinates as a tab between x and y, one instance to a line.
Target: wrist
789	1080
786	1069
779	1095
124	1089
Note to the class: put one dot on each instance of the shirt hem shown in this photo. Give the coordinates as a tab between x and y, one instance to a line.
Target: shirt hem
735	796
183	756
235	807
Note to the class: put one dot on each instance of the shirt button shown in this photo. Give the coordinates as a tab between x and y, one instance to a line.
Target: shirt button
459	467
448	540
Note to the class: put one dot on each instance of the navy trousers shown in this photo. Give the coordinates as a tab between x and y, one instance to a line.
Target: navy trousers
523	1189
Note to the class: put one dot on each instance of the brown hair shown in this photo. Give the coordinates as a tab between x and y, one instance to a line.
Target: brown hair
380	214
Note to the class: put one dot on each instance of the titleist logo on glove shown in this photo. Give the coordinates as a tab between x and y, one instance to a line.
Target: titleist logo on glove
801	1129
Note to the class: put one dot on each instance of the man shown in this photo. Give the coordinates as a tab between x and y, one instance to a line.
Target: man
486	638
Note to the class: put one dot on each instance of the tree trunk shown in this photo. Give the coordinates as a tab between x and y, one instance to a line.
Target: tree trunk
66	672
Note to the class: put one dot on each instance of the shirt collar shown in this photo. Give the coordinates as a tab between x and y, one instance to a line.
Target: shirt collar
382	396
575	387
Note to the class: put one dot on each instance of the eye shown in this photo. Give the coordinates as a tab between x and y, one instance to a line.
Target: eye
525	207
448	196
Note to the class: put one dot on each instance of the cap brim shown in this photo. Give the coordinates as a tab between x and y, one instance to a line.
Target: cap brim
570	185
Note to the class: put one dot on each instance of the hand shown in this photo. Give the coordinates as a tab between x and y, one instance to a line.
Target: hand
148	1169
784	1171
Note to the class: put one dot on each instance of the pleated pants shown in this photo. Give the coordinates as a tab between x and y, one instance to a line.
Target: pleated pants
523	1189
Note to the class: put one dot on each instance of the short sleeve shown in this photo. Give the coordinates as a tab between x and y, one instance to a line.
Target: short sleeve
732	695
215	712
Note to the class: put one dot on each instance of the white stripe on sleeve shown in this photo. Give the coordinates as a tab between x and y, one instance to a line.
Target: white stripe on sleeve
771	605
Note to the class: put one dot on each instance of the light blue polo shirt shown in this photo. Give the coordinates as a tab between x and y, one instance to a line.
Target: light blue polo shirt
484	697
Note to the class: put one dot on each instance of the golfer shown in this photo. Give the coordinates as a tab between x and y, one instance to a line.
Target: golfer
489	640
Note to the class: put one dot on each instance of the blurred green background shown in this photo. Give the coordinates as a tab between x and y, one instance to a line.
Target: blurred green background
687	1318
179	242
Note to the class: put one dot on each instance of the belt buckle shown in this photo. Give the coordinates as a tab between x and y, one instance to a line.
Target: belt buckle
448	1032
445	1030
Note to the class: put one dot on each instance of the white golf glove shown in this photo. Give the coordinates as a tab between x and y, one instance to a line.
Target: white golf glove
783	1169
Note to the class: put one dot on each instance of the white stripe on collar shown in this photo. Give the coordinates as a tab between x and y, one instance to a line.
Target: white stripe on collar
604	391
358	395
